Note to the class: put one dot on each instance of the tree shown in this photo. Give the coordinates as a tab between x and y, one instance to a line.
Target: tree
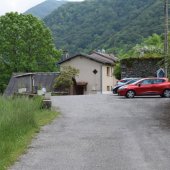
151	45
66	78
26	45
117	71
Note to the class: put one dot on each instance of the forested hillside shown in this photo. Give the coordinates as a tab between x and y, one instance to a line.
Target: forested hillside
108	24
45	8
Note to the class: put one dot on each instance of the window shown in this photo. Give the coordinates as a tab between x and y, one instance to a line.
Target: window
157	81
108	88
95	71
147	81
108	71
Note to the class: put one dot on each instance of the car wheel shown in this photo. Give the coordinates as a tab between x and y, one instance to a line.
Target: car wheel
166	93
130	94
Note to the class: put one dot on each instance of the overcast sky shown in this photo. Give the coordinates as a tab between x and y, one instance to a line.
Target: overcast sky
18	5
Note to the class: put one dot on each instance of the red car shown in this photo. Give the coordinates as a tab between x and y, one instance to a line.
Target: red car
146	86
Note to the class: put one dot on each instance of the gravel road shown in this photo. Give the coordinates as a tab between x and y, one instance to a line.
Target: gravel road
103	132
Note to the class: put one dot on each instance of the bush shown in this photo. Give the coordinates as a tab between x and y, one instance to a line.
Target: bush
117	71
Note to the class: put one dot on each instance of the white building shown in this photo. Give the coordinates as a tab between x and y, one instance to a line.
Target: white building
95	72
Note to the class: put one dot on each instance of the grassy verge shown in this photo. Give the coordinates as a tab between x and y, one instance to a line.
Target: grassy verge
20	119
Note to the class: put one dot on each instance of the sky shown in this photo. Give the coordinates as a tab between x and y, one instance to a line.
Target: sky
18	5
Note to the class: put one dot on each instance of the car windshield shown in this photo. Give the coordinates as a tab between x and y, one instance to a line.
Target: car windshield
136	82
123	81
132	81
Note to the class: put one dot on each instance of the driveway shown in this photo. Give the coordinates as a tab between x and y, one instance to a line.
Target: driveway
103	132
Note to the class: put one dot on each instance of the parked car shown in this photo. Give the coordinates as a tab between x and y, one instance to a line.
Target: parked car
146	86
130	81
123	81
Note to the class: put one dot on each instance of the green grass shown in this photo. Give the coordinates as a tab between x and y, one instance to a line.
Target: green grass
20	119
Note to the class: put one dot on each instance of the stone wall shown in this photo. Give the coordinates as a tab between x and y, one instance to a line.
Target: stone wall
140	67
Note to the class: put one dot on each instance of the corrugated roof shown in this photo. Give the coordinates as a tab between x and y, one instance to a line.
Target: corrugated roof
24	74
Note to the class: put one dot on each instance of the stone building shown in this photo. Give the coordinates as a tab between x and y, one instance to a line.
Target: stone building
140	67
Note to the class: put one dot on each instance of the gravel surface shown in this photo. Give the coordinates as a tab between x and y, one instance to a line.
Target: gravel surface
103	132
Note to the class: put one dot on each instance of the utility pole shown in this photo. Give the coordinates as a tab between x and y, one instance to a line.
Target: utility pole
166	38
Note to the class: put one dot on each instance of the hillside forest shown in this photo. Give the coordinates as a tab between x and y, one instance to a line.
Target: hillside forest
113	25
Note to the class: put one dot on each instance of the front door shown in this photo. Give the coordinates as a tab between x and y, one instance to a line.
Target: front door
80	90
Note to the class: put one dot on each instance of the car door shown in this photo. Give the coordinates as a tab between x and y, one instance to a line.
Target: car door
158	85
145	87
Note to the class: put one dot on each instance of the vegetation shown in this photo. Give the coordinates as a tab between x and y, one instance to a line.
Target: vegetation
105	24
45	8
20	119
150	48
117	71
26	45
66	78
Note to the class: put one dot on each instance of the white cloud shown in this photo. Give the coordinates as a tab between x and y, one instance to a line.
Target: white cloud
19	5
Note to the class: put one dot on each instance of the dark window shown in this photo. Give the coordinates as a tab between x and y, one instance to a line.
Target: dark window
147	81
157	81
108	71
95	71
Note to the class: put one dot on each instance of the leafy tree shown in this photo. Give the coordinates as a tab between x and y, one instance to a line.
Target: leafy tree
26	45
151	46
117	71
66	78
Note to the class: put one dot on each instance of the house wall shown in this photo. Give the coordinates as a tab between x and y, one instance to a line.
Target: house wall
146	67
108	79
86	68
97	83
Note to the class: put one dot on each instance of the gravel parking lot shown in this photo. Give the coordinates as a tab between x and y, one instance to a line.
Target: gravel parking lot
103	132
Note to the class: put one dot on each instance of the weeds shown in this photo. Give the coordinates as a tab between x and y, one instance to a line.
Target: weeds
20	119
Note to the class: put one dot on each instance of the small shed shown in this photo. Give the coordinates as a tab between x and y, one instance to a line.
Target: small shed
30	82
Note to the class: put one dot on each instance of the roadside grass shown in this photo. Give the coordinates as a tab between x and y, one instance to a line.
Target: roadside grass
20	120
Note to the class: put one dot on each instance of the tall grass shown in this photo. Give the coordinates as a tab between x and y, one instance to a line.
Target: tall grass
20	118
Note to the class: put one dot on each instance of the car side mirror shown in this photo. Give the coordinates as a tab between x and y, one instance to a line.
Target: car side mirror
139	85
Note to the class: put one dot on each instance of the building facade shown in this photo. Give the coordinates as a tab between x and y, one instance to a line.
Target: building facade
95	72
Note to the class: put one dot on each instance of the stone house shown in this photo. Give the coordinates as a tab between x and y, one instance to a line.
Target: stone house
95	72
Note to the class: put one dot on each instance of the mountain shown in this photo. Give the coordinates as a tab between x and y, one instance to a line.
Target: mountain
45	8
107	24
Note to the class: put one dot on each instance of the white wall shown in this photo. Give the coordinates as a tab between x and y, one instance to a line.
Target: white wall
108	80
86	68
95	83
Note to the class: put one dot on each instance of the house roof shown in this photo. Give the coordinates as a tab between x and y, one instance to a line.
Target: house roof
105	55
24	75
95	56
